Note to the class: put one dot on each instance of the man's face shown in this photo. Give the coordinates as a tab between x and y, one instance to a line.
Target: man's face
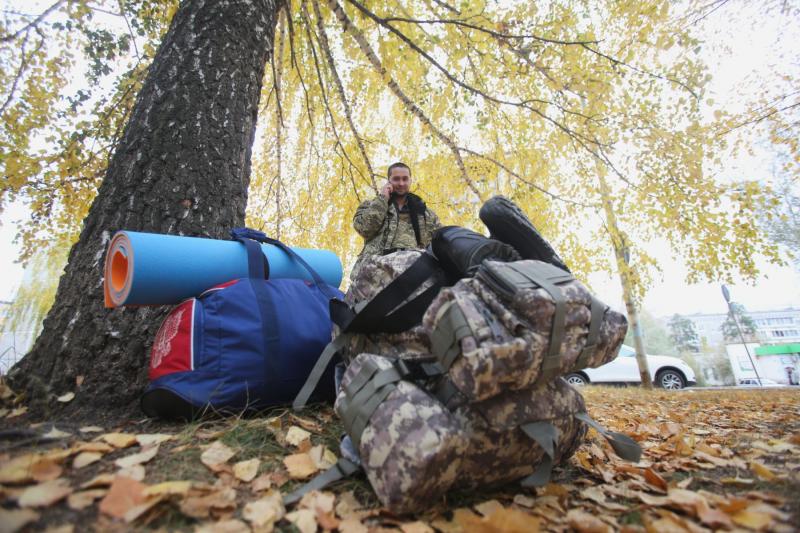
400	178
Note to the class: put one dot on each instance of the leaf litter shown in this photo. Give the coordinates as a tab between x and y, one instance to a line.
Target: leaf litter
713	460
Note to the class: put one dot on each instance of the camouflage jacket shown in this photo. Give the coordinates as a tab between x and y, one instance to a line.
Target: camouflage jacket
384	228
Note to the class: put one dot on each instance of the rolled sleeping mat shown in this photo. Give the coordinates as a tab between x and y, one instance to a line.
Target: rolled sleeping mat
153	269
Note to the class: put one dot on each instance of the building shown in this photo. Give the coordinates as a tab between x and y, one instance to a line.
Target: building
774	327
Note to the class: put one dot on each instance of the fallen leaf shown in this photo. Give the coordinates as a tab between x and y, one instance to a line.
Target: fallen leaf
216	455
18	470
97	447
103	480
322	457
79	381
318	501
655	480
168	488
737	481
119	440
132	514
45	470
295	435
762	471
85	459
13	520
19	411
202	506
347	505
90	429
584	522
137	458
246	470
262	482
66	398
66	528
146	440
83	499
45	494
300	465
752	520
265	511
56	433
125	493
524	501
304	520
223	526
136	472
488	507
714	518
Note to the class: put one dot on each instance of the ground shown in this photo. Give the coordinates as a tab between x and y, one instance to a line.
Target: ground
713	459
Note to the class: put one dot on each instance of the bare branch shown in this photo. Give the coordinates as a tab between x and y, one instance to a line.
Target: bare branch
505	168
410	105
130	30
35	22
325	45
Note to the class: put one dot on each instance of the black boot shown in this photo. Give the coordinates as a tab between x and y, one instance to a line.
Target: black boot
507	223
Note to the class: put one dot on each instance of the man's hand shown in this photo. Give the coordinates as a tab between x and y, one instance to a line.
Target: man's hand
386	190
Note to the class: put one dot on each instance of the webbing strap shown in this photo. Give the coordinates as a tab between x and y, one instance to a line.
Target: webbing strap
624	446
364	374
365	411
451	327
342	469
353	407
445	391
598	310
375	315
545	435
320	366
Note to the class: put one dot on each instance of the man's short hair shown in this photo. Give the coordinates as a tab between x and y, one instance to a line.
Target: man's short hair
399	164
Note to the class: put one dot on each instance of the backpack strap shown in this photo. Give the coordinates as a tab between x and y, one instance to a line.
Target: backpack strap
624	446
598	310
317	372
509	278
342	469
545	434
451	327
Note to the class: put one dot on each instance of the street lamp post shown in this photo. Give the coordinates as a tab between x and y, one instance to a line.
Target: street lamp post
727	296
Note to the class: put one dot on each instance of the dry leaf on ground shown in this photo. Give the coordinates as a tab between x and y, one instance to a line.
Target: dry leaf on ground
83	499
265	511
202	506
150	439
223	526
216	455
123	495
168	488
85	459
119	440
303	519
13	520
136	472
65	398
137	458
300	465
584	522
246	470
45	494
296	436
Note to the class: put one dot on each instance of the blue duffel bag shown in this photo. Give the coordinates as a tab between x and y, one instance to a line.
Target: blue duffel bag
243	345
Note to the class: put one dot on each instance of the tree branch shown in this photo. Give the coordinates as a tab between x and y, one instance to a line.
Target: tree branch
31	24
410	105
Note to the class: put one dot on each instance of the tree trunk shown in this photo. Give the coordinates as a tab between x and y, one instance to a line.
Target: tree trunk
618	241
182	167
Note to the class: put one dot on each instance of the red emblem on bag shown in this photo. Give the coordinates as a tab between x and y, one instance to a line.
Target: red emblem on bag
172	349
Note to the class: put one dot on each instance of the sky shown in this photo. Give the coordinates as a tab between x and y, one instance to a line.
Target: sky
740	57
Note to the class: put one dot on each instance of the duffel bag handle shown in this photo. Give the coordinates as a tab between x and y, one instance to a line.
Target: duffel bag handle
257	264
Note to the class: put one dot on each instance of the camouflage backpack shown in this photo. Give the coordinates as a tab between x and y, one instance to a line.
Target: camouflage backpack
471	397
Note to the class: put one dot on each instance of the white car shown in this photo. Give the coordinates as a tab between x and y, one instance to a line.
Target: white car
666	372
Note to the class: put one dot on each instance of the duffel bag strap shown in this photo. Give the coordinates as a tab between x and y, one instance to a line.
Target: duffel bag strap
320	366
545	435
598	310
451	327
624	446
342	469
